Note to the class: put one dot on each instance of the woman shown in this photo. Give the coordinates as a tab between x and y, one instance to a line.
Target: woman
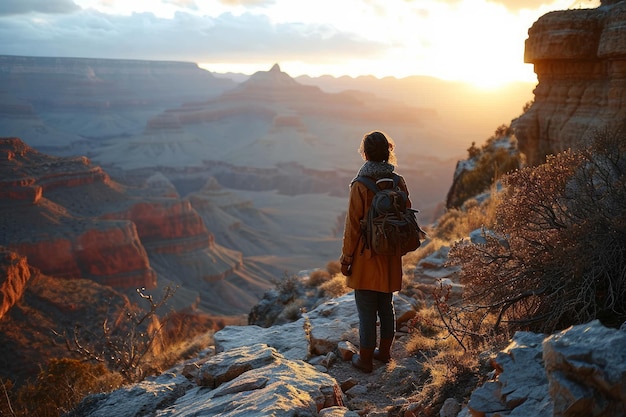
373	277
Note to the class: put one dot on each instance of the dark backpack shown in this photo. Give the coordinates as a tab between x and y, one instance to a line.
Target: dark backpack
389	227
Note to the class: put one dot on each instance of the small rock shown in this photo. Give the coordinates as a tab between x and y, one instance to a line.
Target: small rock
348	383
450	408
346	350
337	412
356	391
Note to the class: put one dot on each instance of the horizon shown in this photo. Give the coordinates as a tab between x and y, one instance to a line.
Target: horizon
476	41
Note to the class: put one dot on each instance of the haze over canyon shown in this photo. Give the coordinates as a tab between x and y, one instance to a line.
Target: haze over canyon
150	173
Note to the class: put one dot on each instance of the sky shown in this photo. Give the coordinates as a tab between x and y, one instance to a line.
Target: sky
479	41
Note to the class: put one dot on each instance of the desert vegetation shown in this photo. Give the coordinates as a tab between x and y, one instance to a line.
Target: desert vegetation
552	255
556	254
124	348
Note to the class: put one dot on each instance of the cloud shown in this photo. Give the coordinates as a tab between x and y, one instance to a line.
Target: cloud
17	7
247	3
183	4
244	38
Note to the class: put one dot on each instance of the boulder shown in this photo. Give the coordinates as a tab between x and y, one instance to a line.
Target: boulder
317	333
253	380
586	367
580	371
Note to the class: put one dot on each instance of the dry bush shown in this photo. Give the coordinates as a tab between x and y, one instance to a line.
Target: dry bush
179	349
334	288
490	162
333	267
559	256
449	371
60	387
293	311
317	278
458	223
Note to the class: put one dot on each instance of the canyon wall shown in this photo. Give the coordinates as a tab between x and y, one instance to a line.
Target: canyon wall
72	221
104	83
579	57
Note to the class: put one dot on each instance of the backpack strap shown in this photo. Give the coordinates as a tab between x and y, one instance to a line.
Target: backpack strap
373	185
369	183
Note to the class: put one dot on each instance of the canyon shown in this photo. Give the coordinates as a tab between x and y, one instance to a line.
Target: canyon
118	175
71	221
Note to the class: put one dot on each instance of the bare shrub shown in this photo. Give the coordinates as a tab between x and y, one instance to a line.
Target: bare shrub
126	341
559	255
489	163
293	311
448	370
288	288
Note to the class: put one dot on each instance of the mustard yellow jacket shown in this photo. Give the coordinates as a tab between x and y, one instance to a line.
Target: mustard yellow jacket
369	271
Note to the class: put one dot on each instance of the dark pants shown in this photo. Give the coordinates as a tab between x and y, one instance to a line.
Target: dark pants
370	305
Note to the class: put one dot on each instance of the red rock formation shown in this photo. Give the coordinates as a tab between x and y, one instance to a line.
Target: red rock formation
78	223
167	226
59	242
109	253
579	57
29	173
14	274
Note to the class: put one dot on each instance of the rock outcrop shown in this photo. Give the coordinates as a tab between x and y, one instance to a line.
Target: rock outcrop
254	380
579	57
259	371
14	274
580	371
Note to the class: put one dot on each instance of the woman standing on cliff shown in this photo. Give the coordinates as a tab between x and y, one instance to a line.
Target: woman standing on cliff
373	277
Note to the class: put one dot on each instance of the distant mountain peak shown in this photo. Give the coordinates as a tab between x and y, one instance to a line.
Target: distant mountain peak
274	78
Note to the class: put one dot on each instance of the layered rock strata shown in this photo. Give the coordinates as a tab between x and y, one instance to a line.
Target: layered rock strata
71	220
579	57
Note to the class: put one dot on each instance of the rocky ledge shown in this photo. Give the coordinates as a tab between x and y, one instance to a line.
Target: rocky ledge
302	369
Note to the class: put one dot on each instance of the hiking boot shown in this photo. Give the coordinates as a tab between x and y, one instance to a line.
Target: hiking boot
383	353
363	360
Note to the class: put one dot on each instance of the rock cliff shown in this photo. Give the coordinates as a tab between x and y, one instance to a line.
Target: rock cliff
71	220
579	57
105	83
52	234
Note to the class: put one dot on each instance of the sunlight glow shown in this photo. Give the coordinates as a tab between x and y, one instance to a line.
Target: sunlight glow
476	41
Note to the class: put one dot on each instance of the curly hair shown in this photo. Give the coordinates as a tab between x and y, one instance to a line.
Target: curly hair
377	147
